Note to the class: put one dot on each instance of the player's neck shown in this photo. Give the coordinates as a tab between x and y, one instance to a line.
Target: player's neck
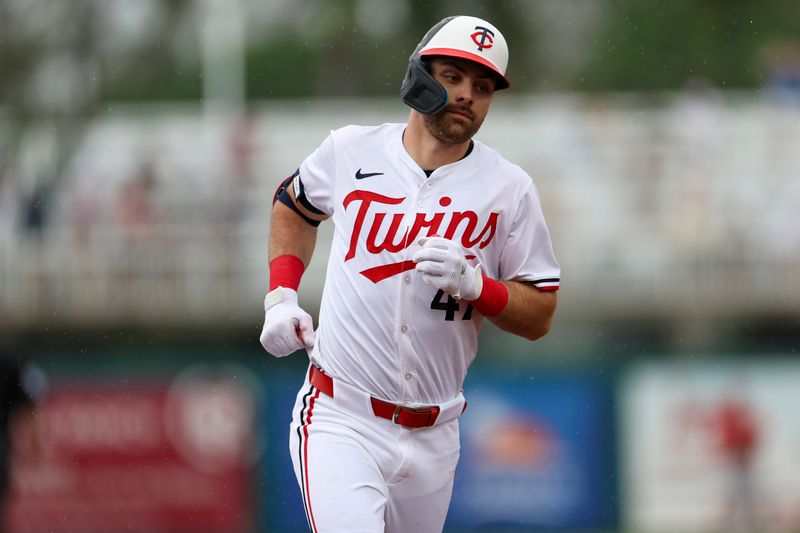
429	152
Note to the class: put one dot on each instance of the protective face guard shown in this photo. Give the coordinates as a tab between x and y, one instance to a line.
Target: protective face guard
420	90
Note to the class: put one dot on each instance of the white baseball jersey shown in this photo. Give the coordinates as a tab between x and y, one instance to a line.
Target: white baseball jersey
381	327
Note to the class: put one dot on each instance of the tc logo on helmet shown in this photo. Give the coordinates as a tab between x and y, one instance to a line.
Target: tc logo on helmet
483	38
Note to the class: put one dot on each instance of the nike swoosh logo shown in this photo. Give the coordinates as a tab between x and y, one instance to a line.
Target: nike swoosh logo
360	176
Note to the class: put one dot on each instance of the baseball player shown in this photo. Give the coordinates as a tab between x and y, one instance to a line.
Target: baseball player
434	232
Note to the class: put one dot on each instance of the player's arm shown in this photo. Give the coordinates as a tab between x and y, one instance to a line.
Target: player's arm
292	238
513	306
290	235
528	311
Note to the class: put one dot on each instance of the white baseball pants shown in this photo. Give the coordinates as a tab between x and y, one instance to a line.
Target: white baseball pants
359	473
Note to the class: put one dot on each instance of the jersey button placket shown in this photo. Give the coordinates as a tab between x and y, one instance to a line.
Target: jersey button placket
422	193
406	312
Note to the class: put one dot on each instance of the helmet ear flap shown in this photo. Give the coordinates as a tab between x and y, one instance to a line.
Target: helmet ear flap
420	90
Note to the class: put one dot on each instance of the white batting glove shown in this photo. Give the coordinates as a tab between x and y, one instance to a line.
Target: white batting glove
442	264
287	327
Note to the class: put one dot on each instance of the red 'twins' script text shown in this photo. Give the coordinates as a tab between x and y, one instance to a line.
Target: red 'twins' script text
467	221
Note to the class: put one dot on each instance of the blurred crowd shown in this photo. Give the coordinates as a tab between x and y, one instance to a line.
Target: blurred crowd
647	195
140	145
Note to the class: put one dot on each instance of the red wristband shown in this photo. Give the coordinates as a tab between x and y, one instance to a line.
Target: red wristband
285	271
493	298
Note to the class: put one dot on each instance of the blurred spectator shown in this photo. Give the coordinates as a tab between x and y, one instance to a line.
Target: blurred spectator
22	386
137	224
781	60
35	206
726	429
736	432
85	212
241	145
135	210
234	198
232	193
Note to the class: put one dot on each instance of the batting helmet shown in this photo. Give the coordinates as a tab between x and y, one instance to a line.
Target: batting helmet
460	36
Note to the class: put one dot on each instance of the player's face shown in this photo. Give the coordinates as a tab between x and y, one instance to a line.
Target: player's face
470	87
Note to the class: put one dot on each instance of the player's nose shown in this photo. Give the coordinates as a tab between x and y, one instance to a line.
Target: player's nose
463	93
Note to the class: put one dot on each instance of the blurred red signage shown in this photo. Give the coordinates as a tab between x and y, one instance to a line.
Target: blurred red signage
147	459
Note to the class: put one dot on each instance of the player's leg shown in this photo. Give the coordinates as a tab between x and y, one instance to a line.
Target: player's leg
342	487
419	493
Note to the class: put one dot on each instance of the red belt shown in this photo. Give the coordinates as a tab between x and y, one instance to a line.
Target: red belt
410	417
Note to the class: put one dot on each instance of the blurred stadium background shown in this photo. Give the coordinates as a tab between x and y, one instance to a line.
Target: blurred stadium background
141	142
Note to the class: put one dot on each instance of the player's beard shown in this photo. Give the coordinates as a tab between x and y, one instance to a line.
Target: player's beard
449	129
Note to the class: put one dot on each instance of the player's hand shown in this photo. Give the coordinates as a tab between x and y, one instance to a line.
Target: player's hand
443	264
287	327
